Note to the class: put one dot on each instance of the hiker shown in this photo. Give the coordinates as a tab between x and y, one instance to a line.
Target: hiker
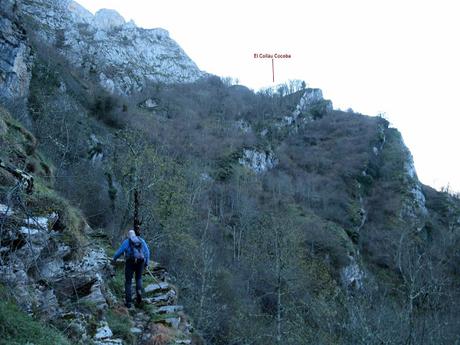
137	257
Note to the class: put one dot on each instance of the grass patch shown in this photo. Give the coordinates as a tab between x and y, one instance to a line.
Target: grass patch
117	283
103	239
120	324
18	328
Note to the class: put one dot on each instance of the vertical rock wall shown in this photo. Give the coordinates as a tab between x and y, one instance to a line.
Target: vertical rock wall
15	54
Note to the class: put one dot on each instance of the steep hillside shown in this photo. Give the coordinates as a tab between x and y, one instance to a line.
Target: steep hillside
55	267
279	219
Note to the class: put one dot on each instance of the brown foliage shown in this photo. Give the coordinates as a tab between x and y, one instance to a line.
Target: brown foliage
161	335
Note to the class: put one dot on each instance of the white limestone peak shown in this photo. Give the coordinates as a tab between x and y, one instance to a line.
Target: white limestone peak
79	13
107	19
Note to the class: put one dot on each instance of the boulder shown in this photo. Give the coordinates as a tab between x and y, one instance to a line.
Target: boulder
39	222
30	233
149	104
135	330
103	331
48	303
51	268
81	275
5	210
96	297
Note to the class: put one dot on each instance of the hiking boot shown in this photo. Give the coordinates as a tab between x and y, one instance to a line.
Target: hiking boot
139	300
139	297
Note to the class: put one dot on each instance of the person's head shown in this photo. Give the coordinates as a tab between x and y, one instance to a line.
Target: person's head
131	234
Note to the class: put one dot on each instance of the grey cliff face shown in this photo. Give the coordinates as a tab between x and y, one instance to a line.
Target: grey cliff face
15	55
122	56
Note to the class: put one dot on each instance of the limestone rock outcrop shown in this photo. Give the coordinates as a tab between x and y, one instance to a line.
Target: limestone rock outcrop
121	55
15	54
311	105
258	161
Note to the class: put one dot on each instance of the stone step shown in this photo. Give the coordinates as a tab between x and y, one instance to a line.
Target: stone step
161	299
170	309
139	325
157	287
109	342
135	330
141	317
183	341
172	322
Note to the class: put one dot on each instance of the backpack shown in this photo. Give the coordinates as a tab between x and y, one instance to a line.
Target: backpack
136	250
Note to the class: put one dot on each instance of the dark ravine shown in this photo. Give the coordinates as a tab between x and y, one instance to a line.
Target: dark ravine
274	218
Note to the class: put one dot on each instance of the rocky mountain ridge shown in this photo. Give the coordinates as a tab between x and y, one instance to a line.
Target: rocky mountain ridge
120	55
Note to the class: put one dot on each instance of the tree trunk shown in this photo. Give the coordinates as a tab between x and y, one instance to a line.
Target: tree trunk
136	222
278	288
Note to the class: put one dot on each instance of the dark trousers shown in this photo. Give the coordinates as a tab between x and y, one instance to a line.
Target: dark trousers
133	268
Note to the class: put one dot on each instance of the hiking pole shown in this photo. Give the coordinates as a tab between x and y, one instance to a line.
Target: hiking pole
151	274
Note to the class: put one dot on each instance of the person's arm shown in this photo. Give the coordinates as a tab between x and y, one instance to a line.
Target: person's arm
121	250
146	252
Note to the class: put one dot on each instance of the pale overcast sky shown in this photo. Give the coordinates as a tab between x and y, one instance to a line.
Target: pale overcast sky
399	57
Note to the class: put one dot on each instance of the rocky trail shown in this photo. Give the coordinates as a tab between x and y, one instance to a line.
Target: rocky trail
159	319
82	294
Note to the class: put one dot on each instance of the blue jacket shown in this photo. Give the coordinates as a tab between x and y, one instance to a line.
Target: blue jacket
125	249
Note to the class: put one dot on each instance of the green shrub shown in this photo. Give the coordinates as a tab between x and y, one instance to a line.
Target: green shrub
117	283
225	165
18	328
